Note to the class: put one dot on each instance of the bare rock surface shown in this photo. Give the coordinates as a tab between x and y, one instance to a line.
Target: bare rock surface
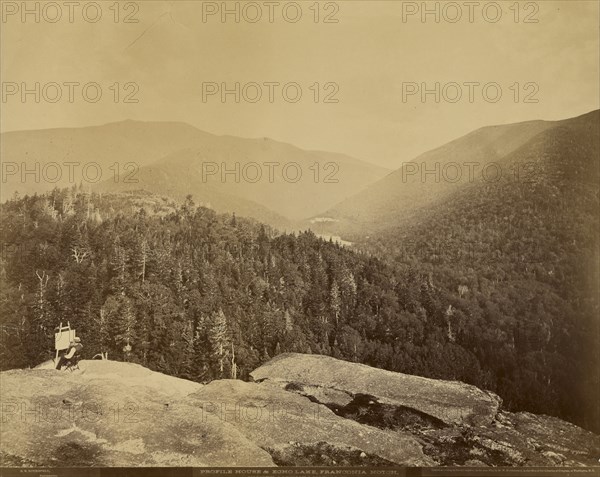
516	439
424	408
273	419
113	414
451	402
304	410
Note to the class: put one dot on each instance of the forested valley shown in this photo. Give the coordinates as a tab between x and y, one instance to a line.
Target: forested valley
194	294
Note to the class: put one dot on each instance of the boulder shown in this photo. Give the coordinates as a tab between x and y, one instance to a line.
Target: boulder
451	402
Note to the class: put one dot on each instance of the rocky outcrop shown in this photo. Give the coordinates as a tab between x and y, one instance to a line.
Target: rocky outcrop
121	414
337	382
513	439
457	424
113	414
273	419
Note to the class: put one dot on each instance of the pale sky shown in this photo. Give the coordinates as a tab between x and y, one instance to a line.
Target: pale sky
369	53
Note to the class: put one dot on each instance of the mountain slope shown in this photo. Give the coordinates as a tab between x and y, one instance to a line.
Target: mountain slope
121	142
522	253
432	177
285	179
167	158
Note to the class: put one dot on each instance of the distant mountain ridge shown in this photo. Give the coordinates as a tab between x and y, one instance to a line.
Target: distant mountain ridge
400	196
289	181
168	158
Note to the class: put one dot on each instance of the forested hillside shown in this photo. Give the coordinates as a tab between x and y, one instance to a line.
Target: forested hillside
194	294
185	289
521	258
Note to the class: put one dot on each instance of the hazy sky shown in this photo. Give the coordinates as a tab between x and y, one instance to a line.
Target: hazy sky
370	52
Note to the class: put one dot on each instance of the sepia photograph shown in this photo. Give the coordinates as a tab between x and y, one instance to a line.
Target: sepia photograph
293	238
